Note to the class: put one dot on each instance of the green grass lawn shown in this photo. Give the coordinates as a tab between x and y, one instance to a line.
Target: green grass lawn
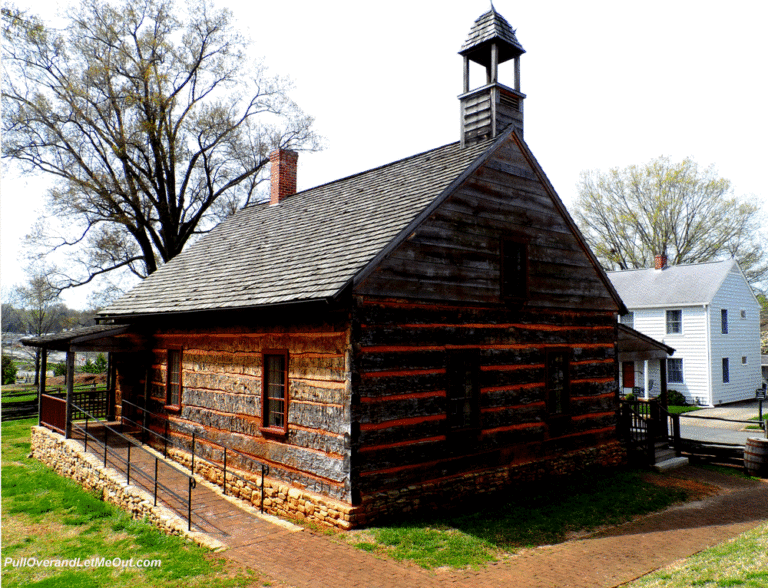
742	562
537	514
52	519
682	409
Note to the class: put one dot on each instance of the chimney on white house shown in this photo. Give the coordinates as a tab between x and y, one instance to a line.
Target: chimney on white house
282	175
660	262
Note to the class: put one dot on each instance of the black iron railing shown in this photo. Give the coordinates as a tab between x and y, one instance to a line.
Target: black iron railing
143	421
148	481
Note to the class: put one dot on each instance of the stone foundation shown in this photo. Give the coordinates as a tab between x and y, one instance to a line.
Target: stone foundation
67	458
472	488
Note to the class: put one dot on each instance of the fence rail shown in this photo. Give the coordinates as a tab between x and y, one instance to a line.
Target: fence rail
92	398
143	423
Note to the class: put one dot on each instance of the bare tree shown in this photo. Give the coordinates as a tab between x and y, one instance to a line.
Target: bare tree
690	214
151	118
41	309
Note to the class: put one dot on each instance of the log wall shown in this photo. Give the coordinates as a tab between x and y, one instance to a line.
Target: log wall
400	372
222	390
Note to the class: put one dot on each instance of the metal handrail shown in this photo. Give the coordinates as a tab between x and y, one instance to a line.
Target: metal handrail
191	483
166	438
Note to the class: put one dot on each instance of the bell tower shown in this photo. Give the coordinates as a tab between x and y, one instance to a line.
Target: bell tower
488	110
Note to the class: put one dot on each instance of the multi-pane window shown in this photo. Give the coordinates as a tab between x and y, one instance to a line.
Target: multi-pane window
724	321
628	319
514	270
558	383
173	380
463	390
726	371
275	402
674	322
674	370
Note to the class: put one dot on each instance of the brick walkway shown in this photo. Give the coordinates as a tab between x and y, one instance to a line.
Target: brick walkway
302	558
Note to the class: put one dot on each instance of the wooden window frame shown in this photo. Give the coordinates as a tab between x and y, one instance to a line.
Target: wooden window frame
265	413
458	364
724	321
520	294
565	413
169	405
670	371
679	322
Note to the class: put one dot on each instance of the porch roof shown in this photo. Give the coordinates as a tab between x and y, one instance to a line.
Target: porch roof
109	337
634	346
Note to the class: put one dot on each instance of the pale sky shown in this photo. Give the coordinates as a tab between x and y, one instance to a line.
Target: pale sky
608	84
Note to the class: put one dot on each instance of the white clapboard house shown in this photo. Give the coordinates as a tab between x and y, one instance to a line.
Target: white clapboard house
709	314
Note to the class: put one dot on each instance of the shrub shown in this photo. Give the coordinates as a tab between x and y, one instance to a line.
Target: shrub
675	398
96	367
629	396
9	370
59	369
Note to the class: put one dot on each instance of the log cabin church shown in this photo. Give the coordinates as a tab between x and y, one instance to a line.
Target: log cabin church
408	337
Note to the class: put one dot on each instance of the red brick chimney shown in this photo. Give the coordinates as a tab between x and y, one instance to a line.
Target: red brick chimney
282	175
660	262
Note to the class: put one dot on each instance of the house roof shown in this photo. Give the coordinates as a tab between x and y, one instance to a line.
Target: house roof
308	247
81	337
636	343
677	285
490	27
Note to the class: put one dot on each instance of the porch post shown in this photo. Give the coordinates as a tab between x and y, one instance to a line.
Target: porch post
663	375
646	393
111	402
70	393
41	383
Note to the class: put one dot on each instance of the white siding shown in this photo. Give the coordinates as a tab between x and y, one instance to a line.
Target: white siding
742	340
690	346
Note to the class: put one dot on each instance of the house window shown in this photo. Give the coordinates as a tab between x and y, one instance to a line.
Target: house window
514	270
674	371
629	320
674	322
724	321
463	390
173	379
743	314
275	396
743	360
726	371
558	383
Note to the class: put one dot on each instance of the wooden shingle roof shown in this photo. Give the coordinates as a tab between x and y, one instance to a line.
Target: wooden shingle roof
308	247
488	28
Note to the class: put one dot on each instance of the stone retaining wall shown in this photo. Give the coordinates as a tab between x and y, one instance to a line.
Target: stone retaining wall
67	458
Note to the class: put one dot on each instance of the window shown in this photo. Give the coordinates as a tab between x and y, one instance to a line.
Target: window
726	371
743	360
173	379
558	383
514	270
463	390
275	392
743	314
629	320
724	321
674	371
674	322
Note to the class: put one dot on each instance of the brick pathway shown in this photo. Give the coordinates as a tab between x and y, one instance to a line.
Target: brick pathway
302	558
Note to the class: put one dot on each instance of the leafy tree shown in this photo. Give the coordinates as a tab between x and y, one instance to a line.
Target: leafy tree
152	120
96	367
9	370
629	215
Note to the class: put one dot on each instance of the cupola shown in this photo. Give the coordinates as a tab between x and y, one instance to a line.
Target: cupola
488	110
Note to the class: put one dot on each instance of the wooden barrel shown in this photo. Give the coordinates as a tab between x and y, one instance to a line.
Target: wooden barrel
756	457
